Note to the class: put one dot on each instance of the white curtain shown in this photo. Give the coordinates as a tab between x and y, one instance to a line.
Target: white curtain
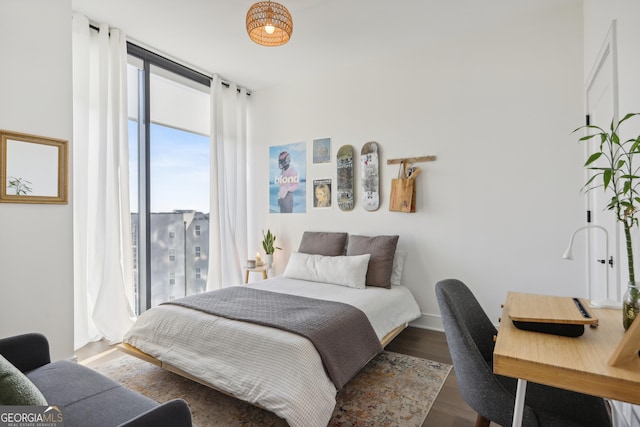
103	262
228	219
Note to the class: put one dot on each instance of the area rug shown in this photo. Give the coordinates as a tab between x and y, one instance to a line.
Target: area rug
392	390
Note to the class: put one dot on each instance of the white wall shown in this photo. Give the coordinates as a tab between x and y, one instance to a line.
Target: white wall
497	108
36	262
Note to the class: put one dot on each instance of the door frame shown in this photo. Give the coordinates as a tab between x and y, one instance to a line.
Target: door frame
608	50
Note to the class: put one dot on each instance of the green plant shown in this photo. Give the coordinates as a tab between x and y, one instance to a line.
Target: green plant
615	171
268	241
619	175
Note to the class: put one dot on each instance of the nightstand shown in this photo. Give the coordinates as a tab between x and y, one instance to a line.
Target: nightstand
261	269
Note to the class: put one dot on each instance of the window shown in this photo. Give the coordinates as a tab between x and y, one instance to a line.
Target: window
198	273
169	152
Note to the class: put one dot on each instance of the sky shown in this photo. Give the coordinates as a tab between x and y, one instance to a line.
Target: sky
179	169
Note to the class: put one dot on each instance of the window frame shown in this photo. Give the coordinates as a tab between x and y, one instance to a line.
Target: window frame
143	243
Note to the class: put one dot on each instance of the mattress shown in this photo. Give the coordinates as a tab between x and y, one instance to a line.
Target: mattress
274	369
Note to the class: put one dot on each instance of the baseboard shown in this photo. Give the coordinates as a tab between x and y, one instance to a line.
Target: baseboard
432	322
428	321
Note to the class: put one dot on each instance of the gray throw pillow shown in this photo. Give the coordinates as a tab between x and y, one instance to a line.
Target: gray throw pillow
382	249
16	389
323	243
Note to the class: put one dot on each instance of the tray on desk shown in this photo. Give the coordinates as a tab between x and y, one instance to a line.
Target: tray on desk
564	316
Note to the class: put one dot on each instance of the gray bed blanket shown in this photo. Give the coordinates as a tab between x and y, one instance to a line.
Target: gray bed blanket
341	333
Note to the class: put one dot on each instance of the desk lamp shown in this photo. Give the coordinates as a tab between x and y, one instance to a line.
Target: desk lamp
601	303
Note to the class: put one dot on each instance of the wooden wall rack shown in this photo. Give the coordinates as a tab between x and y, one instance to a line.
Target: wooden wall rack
412	160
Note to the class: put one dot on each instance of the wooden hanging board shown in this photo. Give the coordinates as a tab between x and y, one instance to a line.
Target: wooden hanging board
412	160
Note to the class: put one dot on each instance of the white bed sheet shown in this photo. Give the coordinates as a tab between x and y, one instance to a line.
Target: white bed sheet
277	370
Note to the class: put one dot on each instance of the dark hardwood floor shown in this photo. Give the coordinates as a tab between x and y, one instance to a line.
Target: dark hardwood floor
449	410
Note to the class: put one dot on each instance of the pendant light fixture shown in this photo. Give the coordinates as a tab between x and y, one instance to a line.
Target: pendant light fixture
269	23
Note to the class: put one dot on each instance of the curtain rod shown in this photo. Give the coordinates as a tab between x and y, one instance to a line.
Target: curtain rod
172	61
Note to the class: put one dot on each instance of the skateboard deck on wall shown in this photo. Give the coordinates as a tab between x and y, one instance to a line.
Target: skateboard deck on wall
370	176
345	177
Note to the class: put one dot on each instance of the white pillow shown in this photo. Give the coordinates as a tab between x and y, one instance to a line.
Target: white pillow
348	271
398	264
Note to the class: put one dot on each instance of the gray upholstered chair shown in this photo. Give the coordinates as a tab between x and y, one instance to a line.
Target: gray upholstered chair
470	335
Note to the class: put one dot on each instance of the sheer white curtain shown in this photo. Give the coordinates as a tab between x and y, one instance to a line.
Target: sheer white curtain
228	219
103	262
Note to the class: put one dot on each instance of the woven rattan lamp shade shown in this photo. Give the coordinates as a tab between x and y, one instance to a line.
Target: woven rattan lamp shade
266	13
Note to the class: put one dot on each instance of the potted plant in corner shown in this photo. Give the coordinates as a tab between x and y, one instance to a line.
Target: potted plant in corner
268	242
614	170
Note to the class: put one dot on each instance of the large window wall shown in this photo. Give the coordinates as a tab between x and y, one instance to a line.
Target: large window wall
169	151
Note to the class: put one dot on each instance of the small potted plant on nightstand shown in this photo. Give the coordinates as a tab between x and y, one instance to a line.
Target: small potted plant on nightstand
268	244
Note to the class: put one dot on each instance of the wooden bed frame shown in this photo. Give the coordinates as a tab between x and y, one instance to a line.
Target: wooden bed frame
133	351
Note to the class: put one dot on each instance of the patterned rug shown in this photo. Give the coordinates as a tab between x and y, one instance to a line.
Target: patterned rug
392	390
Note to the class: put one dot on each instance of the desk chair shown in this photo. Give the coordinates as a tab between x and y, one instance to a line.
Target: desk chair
470	335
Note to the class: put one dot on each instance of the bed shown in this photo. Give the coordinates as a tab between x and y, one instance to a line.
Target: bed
275	369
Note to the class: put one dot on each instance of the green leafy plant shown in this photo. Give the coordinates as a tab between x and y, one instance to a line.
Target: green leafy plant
20	185
615	171
268	241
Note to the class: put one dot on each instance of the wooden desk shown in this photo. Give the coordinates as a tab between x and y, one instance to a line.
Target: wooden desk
578	364
261	269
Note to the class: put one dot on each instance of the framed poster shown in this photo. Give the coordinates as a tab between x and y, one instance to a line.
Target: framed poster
322	150
288	178
322	193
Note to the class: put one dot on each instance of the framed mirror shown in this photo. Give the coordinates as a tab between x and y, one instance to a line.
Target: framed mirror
33	169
